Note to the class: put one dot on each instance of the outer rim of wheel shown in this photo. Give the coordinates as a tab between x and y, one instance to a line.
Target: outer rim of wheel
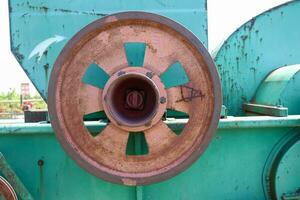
211	69
9	192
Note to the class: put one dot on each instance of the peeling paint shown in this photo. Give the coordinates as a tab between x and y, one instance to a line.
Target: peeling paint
244	37
42	47
18	55
265	42
79	12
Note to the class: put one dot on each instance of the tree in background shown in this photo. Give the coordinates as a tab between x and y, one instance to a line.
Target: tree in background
10	95
10	102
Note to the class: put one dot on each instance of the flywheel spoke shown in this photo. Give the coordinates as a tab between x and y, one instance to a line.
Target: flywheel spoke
113	140
159	138
90	99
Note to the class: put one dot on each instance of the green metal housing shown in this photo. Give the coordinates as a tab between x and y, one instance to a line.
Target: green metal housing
260	46
231	168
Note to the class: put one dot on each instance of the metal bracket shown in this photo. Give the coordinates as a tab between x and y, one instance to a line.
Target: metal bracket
276	111
223	112
291	196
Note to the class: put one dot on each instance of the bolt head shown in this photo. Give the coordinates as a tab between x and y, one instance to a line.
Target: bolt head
149	74
120	73
162	99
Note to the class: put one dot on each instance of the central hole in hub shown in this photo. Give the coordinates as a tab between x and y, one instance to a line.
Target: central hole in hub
133	100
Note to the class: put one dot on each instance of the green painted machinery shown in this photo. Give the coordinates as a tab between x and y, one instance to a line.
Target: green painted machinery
193	142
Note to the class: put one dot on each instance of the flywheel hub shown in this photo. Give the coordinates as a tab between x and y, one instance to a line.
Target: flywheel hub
131	99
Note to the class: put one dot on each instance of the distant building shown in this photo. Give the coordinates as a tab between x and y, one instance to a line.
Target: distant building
25	89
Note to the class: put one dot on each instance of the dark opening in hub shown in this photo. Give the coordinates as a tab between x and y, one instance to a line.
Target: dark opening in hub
133	100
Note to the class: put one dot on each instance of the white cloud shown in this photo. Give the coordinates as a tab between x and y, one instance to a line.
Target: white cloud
11	73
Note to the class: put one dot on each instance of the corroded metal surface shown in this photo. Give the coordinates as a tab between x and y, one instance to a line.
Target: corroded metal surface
169	46
6	191
249	55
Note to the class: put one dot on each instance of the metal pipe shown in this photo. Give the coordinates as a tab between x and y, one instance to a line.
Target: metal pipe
176	124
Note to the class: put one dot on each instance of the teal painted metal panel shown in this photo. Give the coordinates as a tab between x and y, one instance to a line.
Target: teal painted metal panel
281	171
95	76
230	168
288	170
13	179
59	177
135	53
174	76
137	144
95	116
263	44
40	28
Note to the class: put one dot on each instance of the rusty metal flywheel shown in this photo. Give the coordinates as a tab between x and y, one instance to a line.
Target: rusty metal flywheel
132	68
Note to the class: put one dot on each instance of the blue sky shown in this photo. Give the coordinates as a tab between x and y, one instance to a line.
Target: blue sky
224	16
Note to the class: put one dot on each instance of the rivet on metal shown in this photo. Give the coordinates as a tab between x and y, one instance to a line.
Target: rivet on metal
120	73
148	123
40	162
149	74
162	99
